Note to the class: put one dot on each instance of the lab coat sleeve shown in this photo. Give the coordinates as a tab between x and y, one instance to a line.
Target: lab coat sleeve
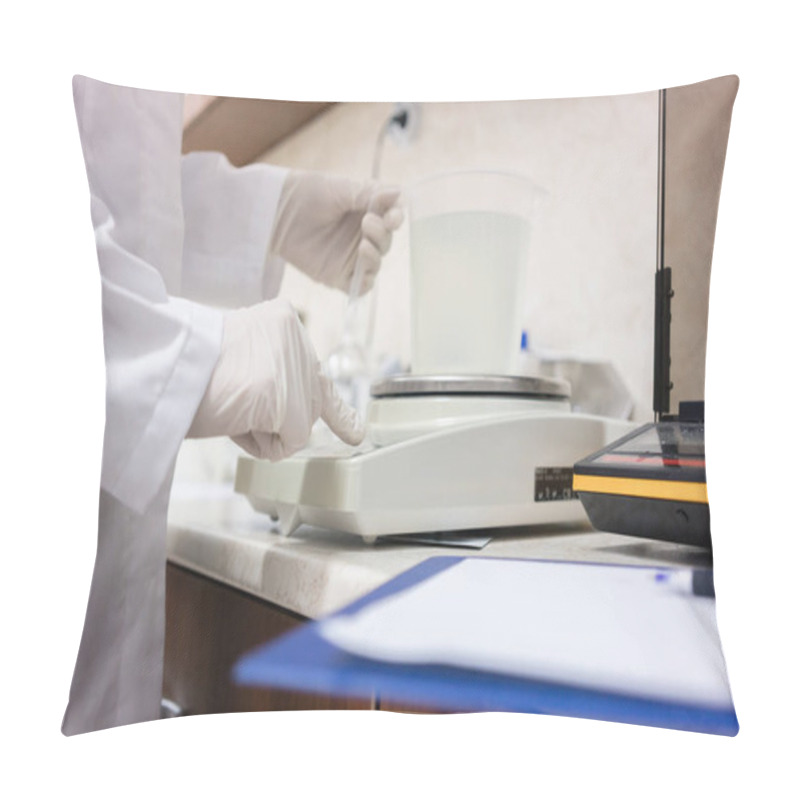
229	213
160	350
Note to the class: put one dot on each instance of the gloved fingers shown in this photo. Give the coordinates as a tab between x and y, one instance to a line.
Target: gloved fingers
366	284
343	420
322	219
355	195
393	218
270	397
302	411
257	446
383	198
376	232
369	262
369	256
369	195
264	445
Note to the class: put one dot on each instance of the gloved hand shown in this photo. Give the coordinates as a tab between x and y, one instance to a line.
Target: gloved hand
325	223
267	388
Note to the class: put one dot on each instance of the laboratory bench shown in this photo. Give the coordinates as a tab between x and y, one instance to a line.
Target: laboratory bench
234	583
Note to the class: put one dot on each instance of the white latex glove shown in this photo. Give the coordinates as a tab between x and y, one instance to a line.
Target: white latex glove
324	223
267	388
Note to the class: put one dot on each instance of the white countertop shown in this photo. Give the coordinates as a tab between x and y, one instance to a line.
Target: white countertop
314	572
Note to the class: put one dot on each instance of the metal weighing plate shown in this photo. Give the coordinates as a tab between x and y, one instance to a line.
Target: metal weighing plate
525	386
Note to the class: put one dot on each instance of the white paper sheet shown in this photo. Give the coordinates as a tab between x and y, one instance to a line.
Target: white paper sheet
612	628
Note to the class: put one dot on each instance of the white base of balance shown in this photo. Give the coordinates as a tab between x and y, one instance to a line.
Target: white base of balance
436	463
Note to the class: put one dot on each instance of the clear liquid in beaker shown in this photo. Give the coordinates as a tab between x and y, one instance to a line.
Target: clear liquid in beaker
467	277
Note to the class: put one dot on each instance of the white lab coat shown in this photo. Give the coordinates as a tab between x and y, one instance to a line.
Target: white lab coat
177	237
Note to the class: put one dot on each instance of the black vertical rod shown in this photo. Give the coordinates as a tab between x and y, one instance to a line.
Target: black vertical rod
662	168
663	288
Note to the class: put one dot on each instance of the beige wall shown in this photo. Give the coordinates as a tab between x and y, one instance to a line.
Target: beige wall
590	278
698	120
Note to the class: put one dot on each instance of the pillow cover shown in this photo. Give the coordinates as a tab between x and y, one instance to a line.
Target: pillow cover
182	232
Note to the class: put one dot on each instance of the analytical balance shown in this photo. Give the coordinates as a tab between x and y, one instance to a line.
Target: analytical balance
461	443
445	453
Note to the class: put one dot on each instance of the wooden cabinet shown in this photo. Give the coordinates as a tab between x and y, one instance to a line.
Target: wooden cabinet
208	627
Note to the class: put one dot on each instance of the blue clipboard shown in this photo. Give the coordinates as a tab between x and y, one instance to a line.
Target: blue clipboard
304	661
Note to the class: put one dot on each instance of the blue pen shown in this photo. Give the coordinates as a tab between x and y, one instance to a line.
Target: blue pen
699	582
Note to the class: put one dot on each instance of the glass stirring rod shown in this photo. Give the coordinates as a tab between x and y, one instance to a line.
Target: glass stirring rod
347	365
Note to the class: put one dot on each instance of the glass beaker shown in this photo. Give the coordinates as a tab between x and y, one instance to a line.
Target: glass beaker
469	240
